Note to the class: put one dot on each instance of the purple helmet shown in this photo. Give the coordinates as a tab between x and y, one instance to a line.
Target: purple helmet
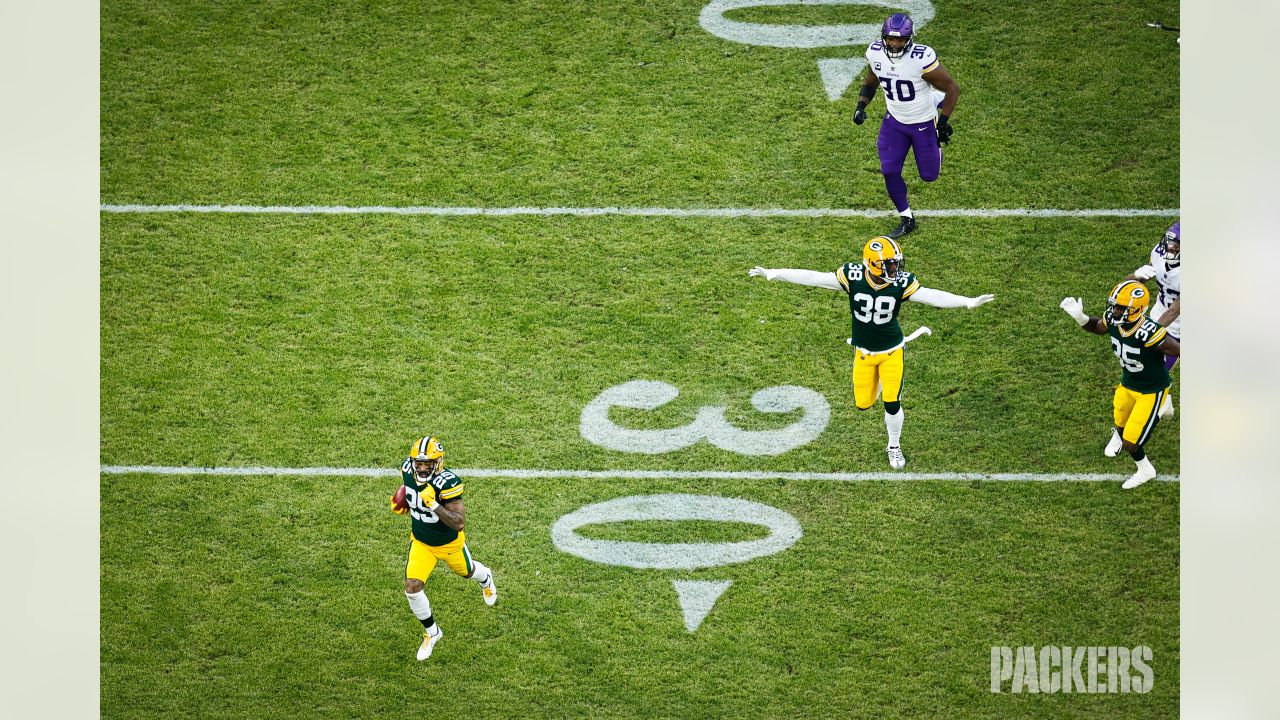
1172	235
898	25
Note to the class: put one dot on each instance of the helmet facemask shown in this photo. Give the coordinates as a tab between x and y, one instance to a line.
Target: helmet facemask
1127	303
424	469
883	260
1171	245
888	268
427	455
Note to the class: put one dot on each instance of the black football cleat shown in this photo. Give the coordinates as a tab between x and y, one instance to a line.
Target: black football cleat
907	225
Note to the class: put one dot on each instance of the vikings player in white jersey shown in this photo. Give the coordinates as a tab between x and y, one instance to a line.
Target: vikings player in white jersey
913	79
1166	268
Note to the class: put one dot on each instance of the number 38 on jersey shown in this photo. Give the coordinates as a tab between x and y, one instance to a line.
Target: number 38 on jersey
875	307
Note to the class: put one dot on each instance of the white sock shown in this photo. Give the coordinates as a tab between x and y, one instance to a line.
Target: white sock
906	213
1145	465
480	572
893	423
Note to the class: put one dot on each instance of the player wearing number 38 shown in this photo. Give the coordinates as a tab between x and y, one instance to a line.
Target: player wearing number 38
876	288
1141	344
433	499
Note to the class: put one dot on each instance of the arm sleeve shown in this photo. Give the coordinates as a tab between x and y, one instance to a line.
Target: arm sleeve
939	298
812	278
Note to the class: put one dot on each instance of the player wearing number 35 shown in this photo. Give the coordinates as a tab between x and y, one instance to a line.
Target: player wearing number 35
433	499
877	287
1141	344
919	95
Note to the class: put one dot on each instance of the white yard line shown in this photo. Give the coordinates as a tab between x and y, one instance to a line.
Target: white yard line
622	474
632	211
637	211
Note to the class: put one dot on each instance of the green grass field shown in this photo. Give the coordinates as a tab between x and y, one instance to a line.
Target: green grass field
298	341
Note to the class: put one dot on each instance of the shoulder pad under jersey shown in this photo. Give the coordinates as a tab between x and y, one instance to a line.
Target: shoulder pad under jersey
1150	332
448	486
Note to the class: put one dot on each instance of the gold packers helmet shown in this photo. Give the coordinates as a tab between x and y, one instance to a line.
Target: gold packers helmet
882	258
427	455
1128	302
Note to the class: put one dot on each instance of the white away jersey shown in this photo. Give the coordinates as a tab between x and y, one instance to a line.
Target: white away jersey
909	97
1170	281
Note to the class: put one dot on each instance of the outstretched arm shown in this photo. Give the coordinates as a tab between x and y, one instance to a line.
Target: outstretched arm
812	278
1075	308
944	299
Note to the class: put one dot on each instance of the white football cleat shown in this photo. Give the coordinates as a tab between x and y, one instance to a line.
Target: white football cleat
1166	410
1114	445
896	459
1142	475
429	642
490	590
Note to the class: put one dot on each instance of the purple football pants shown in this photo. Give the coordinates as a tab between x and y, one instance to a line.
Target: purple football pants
895	140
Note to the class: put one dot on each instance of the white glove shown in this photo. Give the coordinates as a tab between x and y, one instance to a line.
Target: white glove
980	300
1145	273
1075	308
758	271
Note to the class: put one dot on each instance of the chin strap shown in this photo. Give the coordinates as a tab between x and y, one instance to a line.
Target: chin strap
871	280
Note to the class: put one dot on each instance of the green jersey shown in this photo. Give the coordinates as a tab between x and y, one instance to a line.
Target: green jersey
875	311
427	527
1141	362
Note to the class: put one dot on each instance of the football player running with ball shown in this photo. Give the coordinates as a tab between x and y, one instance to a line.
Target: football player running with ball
1141	344
913	80
433	499
1166	268
877	288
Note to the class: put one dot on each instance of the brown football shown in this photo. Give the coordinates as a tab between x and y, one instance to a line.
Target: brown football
401	503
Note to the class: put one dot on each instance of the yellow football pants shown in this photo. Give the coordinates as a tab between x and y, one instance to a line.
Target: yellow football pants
423	557
873	371
1137	413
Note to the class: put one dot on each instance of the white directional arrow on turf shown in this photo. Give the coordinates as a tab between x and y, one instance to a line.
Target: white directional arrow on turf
838	75
697	598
